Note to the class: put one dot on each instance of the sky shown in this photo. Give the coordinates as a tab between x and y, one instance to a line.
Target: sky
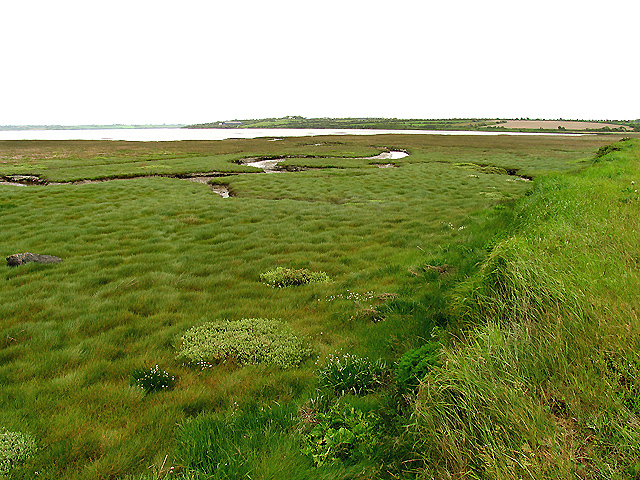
70	62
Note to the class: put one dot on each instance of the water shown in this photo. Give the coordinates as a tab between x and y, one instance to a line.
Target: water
172	134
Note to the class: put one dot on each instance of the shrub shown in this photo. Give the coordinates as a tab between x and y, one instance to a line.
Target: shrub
415	364
153	380
612	147
286	277
246	341
343	434
352	374
15	447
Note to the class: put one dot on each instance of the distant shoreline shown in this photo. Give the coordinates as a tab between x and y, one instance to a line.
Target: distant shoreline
523	125
9	128
458	124
207	134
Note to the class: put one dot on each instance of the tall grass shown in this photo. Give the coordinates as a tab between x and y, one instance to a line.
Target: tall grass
531	394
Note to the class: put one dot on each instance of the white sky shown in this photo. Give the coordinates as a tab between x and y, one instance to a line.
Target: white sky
192	61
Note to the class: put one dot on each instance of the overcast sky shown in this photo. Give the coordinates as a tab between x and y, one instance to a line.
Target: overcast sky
192	61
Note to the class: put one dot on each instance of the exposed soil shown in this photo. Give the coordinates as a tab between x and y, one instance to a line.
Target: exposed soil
14	184
394	155
221	190
268	166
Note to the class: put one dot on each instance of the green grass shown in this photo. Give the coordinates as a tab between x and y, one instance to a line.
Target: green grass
147	259
546	384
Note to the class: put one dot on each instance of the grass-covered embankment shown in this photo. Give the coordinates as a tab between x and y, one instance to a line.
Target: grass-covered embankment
546	382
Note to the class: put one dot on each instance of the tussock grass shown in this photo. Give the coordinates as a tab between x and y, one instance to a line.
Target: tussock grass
146	259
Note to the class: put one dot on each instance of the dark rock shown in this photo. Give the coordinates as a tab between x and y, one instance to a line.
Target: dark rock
21	258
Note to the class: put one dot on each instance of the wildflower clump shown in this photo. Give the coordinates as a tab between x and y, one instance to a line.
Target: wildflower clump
153	380
15	447
247	341
350	373
287	277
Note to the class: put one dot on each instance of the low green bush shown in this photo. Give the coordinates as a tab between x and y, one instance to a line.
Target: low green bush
415	364
153	379
246	341
15	447
612	147
352	374
286	277
342	434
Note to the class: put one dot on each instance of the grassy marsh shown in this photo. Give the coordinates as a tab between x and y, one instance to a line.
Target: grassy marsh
146	259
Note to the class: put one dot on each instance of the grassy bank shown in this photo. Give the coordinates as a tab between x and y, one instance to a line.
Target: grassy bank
146	260
545	382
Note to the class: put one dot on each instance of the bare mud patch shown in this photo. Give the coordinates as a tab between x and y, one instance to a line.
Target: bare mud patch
271	165
221	190
384	165
268	166
13	184
392	155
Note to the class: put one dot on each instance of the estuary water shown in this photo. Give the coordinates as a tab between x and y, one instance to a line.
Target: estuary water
173	134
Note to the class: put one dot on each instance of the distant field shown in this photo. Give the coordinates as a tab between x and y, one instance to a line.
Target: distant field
555	124
421	124
152	255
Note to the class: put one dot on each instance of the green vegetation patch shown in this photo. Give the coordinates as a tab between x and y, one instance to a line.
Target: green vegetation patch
342	435
257	442
350	373
249	341
153	379
412	367
287	277
545	385
15	447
